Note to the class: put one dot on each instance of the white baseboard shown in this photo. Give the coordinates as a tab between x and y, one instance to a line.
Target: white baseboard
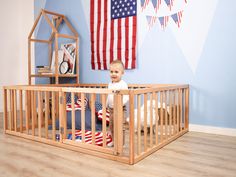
212	130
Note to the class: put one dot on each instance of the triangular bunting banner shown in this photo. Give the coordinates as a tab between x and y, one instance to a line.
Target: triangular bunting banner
155	11
165	19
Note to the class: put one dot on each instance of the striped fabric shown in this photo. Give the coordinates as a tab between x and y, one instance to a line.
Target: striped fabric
99	114
77	104
113	26
88	138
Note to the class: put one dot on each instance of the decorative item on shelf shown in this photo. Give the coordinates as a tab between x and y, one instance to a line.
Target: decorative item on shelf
64	67
69	54
66	59
44	70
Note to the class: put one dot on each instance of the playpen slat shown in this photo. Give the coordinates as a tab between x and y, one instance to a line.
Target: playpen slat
175	111
178	111
161	121
27	111
61	115
21	111
157	116
166	120
33	112
53	117
5	107
170	114
139	123
15	109
73	115
46	97
92	103
151	119
65	117
181	110
145	122
103	97
83	117
40	109
12	111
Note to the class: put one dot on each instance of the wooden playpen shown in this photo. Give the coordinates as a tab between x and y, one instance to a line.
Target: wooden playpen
157	115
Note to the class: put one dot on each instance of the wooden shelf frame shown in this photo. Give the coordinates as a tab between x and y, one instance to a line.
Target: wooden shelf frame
53	39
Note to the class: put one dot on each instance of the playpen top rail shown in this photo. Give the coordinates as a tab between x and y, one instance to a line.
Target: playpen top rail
99	88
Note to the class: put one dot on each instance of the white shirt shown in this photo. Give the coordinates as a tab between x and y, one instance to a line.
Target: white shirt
122	85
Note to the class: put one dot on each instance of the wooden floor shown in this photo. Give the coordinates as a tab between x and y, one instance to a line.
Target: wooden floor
194	154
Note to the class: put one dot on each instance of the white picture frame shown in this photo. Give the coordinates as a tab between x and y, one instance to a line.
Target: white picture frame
69	55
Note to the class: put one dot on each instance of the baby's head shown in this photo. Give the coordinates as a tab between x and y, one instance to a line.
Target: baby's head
116	70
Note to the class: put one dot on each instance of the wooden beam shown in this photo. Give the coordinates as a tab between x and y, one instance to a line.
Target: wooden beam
52	13
39	40
35	24
66	36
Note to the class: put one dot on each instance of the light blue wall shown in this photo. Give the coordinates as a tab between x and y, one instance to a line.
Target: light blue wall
161	60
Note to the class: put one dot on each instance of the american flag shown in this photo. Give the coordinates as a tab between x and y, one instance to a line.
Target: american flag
77	104
88	137
113	26
100	113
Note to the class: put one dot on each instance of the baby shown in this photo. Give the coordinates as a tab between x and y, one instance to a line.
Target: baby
116	73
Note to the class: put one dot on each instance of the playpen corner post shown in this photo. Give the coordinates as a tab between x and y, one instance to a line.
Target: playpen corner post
5	109
187	108
117	117
131	127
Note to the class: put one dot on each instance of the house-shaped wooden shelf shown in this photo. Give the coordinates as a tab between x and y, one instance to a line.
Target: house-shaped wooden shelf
54	20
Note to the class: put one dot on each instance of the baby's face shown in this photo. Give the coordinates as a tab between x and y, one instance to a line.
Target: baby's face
116	72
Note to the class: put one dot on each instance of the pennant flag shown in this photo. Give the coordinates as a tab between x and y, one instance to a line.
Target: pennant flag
163	21
151	20
113	32
177	17
157	6
154	3
169	3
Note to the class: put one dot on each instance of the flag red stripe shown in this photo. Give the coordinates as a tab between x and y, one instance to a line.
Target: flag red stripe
119	40
126	43
134	42
98	33
105	36
92	31
112	42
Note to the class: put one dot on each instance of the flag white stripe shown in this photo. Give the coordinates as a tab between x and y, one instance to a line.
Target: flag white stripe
130	42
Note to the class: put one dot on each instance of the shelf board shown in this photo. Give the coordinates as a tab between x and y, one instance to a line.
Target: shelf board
53	75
